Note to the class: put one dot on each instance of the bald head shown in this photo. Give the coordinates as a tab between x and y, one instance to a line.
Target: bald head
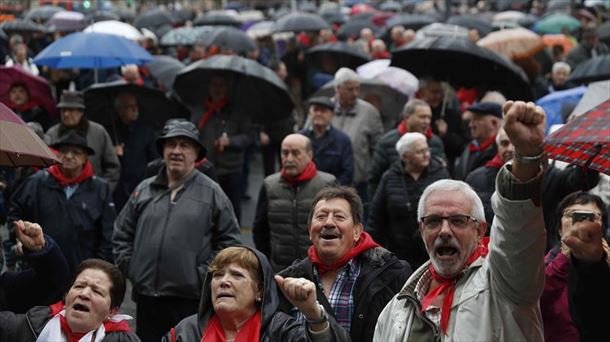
296	154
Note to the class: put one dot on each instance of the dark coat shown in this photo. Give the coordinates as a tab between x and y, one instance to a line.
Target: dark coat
469	161
393	216
332	153
382	275
275	325
81	225
27	327
581	54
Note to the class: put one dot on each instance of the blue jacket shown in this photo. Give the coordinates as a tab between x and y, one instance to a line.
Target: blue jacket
332	153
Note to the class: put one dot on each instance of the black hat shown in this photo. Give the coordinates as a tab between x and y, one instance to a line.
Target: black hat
486	108
73	138
72	99
322	101
180	128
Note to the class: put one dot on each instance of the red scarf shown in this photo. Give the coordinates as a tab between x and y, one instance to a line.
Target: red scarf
448	285
402	129
249	332
364	243
56	172
496	162
484	145
307	174
75	337
211	107
20	108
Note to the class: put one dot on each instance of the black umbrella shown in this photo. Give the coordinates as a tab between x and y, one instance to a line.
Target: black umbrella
21	25
164	69
592	70
125	15
216	19
472	22
464	64
334	17
153	19
343	54
603	32
154	107
101	16
42	13
183	15
408	21
229	38
254	87
300	21
390	6
352	28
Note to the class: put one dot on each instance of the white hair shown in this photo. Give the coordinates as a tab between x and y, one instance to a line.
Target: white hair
445	185
561	65
405	143
345	74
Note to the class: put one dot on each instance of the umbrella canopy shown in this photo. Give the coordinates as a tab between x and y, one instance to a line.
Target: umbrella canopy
343	55
21	25
555	23
102	16
352	28
254	85
559	104
472	22
409	21
397	78
164	69
551	40
153	18
603	32
184	35
442	30
42	13
596	93
66	21
464	64
92	50
115	27
334	18
513	43
584	141
38	87
19	145
260	29
300	21
595	69
229	38
213	18
153	106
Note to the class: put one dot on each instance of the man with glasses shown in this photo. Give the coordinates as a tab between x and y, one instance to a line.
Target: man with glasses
473	288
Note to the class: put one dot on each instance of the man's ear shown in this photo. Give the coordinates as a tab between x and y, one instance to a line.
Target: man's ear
482	228
358	231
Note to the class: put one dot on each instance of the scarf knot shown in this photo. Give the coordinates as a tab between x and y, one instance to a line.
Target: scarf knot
250	331
211	107
365	243
59	176
308	173
496	162
483	146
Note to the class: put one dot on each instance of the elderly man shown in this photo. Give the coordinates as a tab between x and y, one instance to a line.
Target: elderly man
169	230
588	47
105	161
73	205
332	149
360	120
416	118
485	123
475	289
280	225
558	80
355	277
393	216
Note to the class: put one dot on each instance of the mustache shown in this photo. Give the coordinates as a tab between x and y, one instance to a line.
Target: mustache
450	242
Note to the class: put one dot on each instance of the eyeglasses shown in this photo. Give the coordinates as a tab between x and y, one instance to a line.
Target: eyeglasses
433	222
568	213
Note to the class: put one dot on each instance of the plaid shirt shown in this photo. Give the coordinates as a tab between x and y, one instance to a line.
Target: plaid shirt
341	296
432	312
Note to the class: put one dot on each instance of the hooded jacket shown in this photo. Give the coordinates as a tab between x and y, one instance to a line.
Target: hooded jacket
275	325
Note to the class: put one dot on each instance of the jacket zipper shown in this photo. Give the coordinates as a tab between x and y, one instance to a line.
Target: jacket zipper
160	254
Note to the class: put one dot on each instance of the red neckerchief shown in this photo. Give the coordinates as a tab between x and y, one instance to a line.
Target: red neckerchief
448	285
211	107
380	55
199	163
483	146
23	107
307	174
109	326
496	162
402	129
364	243
55	171
139	81
249	332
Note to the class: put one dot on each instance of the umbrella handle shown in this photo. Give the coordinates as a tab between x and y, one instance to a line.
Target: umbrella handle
597	148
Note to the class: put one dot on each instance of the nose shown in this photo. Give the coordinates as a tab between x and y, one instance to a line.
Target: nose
445	231
511	147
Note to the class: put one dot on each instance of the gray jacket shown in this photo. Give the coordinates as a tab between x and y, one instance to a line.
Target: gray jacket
165	248
105	162
496	298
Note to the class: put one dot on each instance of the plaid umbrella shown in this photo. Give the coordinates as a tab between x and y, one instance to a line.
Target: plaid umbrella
19	145
585	140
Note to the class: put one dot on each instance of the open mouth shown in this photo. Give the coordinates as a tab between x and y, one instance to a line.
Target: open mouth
446	251
224	295
80	308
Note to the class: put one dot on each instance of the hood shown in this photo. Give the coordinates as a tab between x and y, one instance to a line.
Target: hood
269	304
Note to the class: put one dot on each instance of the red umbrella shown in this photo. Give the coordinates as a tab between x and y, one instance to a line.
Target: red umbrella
20	146
585	140
38	87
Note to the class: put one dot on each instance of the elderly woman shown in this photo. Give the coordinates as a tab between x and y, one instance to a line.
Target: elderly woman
239	303
88	313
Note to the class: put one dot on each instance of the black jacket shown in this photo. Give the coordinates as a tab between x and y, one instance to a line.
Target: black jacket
468	161
393	214
275	325
382	275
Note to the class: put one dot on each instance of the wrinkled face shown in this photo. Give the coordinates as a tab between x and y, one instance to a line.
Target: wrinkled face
482	126
566	218
419	155
18	95
180	155
218	88
419	121
560	76
234	290
295	155
73	158
88	301
128	109
70	117
433	94
347	93
332	230
320	115
450	246
506	149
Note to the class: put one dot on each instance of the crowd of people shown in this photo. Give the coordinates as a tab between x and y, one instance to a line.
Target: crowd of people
442	220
